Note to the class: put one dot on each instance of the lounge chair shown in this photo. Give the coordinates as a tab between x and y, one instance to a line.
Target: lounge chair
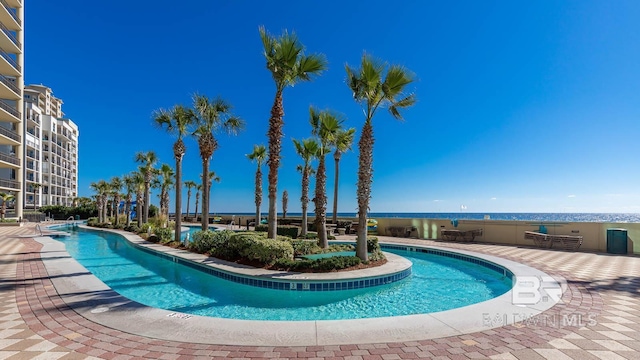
466	235
566	242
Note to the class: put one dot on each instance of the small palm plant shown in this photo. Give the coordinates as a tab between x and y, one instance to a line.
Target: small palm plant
308	150
258	155
148	161
342	144
374	85
288	65
189	185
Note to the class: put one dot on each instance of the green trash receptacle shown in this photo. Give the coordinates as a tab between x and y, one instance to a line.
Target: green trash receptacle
617	241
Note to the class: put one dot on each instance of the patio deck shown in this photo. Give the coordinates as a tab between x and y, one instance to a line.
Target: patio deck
36	323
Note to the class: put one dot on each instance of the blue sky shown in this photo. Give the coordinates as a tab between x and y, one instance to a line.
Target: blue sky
522	106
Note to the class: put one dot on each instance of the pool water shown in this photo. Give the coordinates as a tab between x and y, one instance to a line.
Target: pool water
437	283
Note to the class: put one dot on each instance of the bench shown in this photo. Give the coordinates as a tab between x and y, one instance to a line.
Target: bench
464	235
546	241
401	231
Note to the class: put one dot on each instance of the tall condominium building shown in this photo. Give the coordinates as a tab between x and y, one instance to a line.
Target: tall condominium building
51	150
11	91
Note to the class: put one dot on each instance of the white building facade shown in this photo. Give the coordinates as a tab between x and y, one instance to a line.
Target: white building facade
51	150
11	92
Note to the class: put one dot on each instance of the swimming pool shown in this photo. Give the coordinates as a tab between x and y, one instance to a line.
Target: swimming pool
157	282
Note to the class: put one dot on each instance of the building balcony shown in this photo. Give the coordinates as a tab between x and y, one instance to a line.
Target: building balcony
9	160
9	41
8	113
8	88
9	184
15	3
8	16
8	137
9	65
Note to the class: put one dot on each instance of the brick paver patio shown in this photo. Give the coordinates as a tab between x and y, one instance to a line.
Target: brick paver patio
598	319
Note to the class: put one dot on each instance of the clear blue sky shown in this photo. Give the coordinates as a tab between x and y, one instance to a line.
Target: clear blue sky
522	106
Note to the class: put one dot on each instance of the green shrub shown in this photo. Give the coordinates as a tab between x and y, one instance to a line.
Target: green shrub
338	248
144	229
92	221
132	228
304	247
252	246
283	230
164	234
324	264
311	235
216	243
289	231
154	239
372	244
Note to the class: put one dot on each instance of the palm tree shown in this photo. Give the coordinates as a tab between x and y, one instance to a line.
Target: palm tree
308	150
115	187
285	203
374	85
258	155
198	189
189	185
177	122
288	65
148	161
34	188
212	116
167	182
342	144
212	177
130	187
102	189
5	197
140	185
325	126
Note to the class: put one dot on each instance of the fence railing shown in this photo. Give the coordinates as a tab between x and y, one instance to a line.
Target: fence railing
9	133
12	159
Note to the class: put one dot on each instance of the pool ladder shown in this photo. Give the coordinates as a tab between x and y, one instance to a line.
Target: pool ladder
70	222
38	228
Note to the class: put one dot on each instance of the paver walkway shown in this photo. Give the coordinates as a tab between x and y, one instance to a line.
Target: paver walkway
599	317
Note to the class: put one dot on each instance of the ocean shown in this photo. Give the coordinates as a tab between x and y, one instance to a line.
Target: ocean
561	217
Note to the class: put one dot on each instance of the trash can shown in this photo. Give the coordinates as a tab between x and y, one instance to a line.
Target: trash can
617	241
77	217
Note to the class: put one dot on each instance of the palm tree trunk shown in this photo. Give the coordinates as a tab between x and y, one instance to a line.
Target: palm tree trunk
178	197
196	211
145	218
139	209
275	140
365	174
116	204
258	194
304	199
128	211
336	158
205	194
188	199
321	203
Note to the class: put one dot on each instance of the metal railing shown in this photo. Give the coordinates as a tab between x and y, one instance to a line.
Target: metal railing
11	184
9	158
9	109
10	84
10	35
11	60
9	133
14	15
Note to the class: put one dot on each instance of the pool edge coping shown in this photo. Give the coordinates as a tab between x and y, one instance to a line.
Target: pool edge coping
98	303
